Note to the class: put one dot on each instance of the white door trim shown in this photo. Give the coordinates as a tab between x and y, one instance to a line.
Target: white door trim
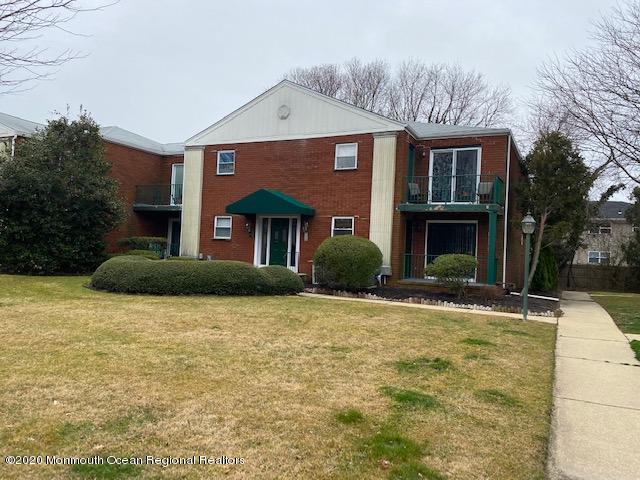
258	240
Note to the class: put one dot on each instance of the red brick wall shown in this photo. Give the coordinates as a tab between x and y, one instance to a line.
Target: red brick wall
493	161
302	169
131	167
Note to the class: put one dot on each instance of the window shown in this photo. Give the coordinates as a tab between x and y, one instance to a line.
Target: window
636	229
341	226
346	156
455	176
226	162
600	229
599	258
222	228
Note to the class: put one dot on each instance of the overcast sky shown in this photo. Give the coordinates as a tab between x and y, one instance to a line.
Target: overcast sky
168	69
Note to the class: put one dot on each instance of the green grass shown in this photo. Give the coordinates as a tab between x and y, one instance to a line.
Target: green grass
624	308
423	364
291	384
479	342
492	395
414	471
410	398
349	416
635	346
391	446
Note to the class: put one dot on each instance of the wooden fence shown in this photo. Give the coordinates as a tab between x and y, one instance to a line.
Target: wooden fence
600	278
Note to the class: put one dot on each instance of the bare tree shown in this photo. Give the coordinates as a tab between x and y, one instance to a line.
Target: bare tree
327	78
21	22
415	91
366	84
598	92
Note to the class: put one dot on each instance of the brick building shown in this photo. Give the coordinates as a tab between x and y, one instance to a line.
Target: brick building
270	181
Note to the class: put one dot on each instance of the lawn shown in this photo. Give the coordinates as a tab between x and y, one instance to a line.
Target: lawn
298	387
624	308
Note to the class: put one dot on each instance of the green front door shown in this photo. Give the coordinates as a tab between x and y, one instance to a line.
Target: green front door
279	241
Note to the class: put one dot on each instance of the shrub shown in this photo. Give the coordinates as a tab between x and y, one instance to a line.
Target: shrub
281	280
547	273
347	262
453	271
137	274
151	255
154	244
183	259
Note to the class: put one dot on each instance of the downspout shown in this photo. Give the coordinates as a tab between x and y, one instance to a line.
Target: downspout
506	214
13	146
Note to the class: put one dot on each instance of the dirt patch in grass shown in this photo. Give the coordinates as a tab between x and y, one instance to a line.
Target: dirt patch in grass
87	373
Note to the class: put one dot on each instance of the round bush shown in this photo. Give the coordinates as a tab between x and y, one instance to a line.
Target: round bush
137	274
453	271
347	262
281	280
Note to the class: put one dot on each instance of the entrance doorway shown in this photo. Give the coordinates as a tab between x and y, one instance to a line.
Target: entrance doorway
277	241
173	237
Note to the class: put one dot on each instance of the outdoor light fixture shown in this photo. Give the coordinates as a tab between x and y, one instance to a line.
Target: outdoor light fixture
305	226
249	228
528	227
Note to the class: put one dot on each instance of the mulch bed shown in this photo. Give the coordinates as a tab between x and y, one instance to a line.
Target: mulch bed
506	303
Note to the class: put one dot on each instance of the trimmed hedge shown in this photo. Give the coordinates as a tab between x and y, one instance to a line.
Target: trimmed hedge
138	253
281	280
347	262
136	274
453	271
142	243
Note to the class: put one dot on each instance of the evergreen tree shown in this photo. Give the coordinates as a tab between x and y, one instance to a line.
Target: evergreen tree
56	200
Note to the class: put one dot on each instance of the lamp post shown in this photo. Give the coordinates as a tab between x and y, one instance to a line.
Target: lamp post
528	227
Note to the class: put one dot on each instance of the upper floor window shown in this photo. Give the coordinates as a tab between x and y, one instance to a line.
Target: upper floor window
341	226
346	156
599	258
454	176
226	162
222	228
600	229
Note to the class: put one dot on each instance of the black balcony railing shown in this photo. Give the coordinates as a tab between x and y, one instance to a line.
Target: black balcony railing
414	266
159	195
452	189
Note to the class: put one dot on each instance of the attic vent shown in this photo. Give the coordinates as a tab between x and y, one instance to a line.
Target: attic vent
619	212
283	112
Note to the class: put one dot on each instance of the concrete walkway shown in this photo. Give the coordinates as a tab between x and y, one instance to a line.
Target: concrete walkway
596	415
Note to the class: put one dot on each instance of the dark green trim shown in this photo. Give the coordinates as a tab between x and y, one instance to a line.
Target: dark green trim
269	202
491	249
450	207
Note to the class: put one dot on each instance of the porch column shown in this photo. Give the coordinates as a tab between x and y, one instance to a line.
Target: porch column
491	250
191	201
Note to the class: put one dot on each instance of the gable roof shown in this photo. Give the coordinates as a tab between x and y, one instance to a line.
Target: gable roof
290	111
129	139
611	210
11	126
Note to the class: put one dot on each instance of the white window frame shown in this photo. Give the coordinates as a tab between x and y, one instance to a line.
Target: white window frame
218	162
353	224
215	227
335	159
173	183
599	256
455	151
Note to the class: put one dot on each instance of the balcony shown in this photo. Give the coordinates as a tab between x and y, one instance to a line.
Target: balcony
453	193
161	198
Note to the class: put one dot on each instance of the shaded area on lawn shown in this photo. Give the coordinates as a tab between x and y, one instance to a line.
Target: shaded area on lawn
300	387
624	308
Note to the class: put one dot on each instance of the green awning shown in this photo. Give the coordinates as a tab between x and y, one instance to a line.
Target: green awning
269	202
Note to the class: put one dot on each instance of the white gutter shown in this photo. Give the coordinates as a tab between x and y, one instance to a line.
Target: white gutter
506	214
13	146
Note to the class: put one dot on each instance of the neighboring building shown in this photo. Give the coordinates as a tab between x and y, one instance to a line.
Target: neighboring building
272	180
606	235
149	175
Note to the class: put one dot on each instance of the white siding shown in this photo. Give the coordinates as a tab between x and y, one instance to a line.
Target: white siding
382	189
191	202
310	115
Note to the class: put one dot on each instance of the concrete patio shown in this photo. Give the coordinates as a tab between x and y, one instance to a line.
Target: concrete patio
596	416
